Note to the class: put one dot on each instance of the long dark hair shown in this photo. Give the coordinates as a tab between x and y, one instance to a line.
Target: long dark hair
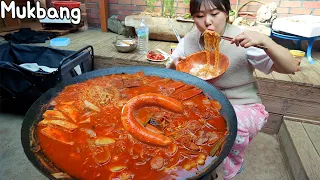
222	5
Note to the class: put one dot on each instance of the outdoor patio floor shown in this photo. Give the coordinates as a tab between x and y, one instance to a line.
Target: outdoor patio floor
263	159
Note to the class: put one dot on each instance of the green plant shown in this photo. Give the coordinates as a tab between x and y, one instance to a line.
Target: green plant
186	1
150	4
168	7
187	16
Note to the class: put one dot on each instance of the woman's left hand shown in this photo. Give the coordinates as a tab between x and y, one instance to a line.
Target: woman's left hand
249	38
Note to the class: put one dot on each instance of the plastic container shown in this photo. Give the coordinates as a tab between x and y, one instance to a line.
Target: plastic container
143	37
59	42
298	55
68	4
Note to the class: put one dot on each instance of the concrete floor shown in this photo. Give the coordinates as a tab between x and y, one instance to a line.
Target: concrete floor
263	158
13	162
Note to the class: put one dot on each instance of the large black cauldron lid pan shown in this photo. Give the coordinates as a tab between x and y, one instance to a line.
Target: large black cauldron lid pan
34	114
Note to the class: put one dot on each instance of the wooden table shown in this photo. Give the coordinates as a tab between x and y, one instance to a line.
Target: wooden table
105	53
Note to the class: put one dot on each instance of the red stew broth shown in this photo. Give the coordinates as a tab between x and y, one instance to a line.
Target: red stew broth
194	132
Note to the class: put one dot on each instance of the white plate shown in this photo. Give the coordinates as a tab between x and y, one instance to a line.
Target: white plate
166	56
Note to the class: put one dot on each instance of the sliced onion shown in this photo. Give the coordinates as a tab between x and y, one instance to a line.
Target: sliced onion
104	141
63	124
61	175
53	103
91	106
189	103
90	132
206	102
85	121
117	168
101	155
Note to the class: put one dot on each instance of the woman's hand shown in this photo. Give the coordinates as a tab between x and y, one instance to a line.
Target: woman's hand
281	57
249	38
174	63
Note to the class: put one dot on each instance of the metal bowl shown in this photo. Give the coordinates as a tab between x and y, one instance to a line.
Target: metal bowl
123	47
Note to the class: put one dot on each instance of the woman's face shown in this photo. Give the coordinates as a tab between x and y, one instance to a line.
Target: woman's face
210	18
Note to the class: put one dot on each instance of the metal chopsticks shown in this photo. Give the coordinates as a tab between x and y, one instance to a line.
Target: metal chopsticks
174	30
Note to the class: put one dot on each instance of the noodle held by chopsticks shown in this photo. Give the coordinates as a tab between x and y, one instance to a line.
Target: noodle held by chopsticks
211	42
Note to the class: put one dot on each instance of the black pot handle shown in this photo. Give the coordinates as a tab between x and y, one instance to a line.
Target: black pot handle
75	54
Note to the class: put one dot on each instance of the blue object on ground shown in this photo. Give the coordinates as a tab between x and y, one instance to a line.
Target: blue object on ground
60	42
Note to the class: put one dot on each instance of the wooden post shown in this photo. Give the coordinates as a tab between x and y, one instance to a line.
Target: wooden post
8	23
103	5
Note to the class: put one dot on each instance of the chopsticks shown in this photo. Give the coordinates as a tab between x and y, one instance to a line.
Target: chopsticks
163	53
174	30
230	39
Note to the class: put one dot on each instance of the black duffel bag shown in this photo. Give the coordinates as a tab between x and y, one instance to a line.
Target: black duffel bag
20	85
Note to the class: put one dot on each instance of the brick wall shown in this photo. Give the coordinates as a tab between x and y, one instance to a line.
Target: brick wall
285	7
92	10
122	8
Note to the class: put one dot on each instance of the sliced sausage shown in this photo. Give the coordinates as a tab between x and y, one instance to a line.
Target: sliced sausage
157	162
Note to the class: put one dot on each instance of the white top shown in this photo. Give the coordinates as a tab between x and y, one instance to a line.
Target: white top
300	25
257	57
